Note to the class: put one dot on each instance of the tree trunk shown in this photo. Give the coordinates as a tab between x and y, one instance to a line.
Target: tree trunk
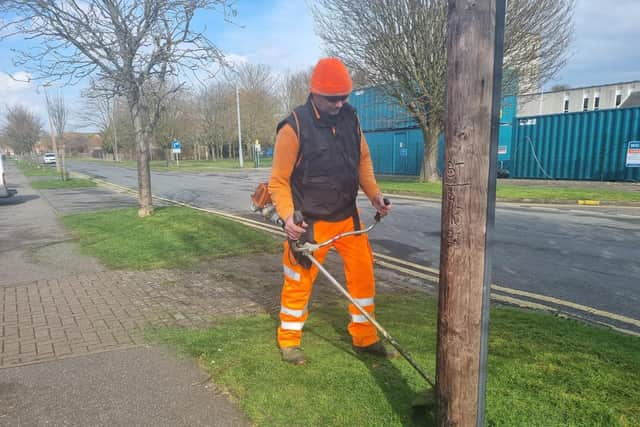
430	137
63	165
145	201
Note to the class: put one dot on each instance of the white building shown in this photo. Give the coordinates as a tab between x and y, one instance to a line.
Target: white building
577	99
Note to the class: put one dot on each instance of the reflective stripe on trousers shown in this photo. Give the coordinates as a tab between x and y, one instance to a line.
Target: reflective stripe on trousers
298	282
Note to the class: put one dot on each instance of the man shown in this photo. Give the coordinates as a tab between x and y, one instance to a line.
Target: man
321	159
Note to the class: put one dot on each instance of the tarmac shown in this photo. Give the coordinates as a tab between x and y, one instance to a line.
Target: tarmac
72	347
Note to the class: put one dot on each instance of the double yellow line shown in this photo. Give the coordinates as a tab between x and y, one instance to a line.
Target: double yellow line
499	293
519	298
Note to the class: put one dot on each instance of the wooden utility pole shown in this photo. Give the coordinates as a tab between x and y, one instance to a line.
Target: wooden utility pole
474	64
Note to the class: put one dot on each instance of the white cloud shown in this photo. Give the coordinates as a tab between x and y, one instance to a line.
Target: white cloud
280	36
235	60
11	84
20	89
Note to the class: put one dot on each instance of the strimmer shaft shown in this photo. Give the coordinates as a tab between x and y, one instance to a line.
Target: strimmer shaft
364	312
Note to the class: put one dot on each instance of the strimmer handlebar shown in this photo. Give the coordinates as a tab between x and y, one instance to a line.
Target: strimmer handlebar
309	248
387	202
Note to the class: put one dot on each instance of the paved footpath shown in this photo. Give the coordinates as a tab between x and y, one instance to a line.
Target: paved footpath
71	331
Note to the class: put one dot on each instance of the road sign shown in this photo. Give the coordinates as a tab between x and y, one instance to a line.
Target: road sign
633	154
175	146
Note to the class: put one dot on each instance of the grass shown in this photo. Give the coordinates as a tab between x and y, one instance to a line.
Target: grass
564	194
516	192
54	184
542	371
171	238
32	169
192	165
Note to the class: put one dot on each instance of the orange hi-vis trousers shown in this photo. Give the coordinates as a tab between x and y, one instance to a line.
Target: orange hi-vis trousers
298	281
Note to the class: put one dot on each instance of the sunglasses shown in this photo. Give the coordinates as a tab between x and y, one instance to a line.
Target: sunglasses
335	99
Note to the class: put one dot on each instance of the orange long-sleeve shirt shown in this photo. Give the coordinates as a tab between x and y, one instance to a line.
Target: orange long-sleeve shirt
284	158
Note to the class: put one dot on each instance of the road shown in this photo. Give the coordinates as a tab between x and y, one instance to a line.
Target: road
581	255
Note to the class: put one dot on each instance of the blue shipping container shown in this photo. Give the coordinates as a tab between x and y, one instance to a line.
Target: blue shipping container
576	146
396	152
378	111
395	140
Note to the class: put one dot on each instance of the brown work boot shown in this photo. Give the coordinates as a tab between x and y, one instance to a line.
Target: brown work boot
293	355
377	349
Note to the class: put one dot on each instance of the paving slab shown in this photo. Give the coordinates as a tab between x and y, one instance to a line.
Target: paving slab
133	387
33	243
72	348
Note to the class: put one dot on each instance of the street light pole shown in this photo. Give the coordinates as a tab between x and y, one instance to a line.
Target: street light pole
52	131
239	129
115	130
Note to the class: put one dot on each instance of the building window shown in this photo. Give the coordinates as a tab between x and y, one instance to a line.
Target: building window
585	104
596	103
565	109
618	98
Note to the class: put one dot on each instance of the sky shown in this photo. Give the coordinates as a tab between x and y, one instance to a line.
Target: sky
280	34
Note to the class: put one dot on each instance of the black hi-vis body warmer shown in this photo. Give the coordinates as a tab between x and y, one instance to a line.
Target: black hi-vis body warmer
325	180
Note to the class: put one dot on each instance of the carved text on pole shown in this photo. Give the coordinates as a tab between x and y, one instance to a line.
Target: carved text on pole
454	183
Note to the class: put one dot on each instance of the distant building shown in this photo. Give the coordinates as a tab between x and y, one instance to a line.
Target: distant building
590	98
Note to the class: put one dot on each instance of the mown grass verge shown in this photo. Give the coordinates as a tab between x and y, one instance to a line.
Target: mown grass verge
516	192
32	169
543	370
54	184
172	237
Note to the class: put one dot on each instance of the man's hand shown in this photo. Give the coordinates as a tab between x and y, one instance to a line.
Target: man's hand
378	204
294	231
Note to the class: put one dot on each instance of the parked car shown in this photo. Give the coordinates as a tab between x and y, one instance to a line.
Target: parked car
49	158
503	173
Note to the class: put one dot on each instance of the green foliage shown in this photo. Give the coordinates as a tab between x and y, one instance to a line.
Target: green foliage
52	184
543	370
172	237
516	192
33	169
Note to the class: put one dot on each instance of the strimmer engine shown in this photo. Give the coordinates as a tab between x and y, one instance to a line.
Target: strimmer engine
261	202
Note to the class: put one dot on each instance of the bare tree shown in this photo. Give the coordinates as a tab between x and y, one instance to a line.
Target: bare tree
110	118
22	129
295	89
537	36
400	46
259	104
217	116
132	46
58	117
174	123
98	113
